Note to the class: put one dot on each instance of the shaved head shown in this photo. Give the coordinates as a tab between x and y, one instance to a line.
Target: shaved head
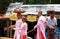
39	13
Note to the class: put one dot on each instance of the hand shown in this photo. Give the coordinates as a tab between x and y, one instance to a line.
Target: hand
54	29
11	26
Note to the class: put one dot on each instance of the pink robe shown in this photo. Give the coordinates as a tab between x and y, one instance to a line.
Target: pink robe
41	25
17	27
23	31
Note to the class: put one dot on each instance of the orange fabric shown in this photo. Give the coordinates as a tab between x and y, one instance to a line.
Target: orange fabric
41	35
24	37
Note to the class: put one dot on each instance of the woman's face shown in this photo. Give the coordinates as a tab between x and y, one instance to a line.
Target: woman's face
19	16
23	19
39	14
52	15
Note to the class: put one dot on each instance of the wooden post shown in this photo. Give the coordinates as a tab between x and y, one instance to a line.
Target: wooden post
11	29
50	1
7	27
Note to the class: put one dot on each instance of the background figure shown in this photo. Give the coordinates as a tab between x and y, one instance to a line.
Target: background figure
1	30
52	23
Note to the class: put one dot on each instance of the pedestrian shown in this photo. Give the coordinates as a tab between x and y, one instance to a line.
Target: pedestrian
23	29
52	25
17	27
41	25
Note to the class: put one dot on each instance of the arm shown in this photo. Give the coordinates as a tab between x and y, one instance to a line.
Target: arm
16	28
55	28
12	26
47	26
35	26
55	25
38	24
17	25
23	28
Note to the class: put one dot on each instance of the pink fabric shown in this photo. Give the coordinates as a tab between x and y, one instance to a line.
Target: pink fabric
17	27
41	25
23	31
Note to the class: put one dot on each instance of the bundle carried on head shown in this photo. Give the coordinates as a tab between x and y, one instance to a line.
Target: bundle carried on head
17	10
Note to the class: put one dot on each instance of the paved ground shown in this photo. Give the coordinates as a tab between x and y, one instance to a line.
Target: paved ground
58	37
10	38
5	38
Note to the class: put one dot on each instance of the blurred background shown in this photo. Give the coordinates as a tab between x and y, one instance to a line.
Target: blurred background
8	17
